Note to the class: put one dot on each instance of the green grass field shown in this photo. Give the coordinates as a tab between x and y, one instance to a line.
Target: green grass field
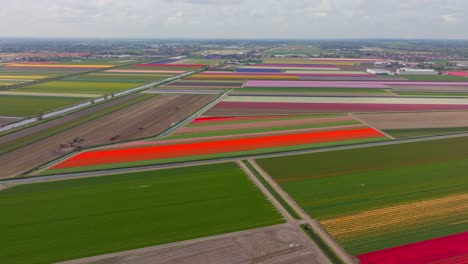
17	105
112	77
76	87
334	184
342	170
57	221
435	78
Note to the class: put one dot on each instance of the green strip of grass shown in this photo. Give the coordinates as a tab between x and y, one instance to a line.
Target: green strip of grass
18	105
77	87
420	132
24	141
273	192
58	221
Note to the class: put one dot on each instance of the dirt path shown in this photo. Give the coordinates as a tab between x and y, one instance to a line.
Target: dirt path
316	226
369	125
416	120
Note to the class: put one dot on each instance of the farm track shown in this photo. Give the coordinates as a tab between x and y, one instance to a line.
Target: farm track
153	116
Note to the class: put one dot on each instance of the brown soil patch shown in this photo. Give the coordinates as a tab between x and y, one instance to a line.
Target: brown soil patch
280	244
416	120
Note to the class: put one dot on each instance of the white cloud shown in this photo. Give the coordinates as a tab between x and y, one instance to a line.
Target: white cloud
235	18
450	19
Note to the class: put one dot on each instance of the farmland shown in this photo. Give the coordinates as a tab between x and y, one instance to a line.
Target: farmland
222	126
24	106
418	124
77	87
282	105
169	152
371	180
79	218
144	119
364	186
450	249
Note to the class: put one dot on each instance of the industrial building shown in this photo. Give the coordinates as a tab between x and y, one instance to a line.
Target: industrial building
410	71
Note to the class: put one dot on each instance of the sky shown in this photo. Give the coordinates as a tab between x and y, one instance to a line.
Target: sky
305	19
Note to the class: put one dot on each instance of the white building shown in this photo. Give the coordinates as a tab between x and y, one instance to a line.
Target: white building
409	71
379	71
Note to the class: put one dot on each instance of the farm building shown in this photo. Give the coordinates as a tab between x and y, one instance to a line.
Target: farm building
379	71
410	71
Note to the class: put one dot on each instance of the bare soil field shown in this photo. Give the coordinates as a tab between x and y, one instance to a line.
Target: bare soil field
277	123
145	119
416	120
281	244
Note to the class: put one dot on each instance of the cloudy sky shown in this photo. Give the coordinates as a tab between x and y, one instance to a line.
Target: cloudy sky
311	19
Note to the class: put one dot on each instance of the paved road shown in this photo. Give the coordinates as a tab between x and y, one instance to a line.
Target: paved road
220	160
